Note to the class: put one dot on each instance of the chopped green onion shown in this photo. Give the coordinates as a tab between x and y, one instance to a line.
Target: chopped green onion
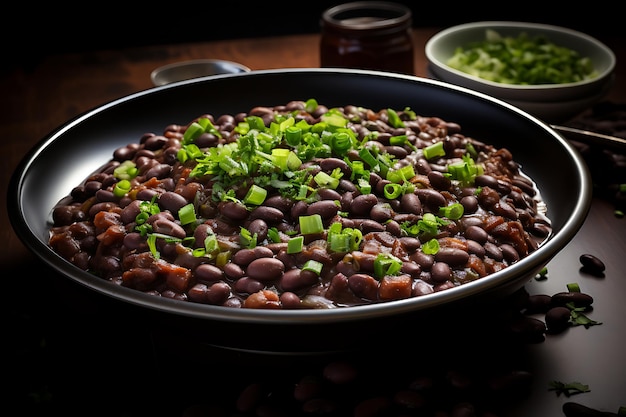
121	188
431	247
311	224
368	158
324	180
293	135
151	241
356	236
453	211
573	287
255	122
522	60
187	214
295	244
364	186
341	142
222	258
335	119
210	243
428	223
339	242
255	195
465	171
198	252
401	140
386	264
273	235
392	191
310	105
394	118
247	239
313	265
401	175
434	150
127	170
194	130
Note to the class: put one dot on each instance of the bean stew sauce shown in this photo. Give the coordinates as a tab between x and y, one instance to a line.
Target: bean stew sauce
301	206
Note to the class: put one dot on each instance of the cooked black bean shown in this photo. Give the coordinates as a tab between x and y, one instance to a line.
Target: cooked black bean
280	202
364	286
369	225
578	299
397	151
172	201
572	409
325	208
233	271
247	285
265	269
411	203
213	260
158	171
259	228
440	272
330	164
452	256
393	227
431	198
233	210
297	279
592	263
509	253
381	212
208	273
362	204
328	194
528	329
218	293
538	303
134	241
168	227
557	319
438	180
271	215
493	251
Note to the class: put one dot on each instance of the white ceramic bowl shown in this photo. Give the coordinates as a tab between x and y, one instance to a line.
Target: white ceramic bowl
547	100
187	70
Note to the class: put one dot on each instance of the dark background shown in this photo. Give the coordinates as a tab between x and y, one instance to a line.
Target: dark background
30	30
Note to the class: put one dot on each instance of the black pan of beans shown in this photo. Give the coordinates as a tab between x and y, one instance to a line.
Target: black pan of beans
303	196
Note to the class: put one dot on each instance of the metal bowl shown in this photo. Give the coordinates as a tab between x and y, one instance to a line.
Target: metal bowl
68	155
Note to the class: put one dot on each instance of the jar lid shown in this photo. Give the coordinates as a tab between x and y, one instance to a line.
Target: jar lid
367	16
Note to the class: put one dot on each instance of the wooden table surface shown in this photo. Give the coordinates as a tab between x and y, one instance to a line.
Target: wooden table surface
40	96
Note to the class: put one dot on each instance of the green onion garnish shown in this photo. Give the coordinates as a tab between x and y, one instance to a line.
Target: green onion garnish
431	247
453	211
386	264
255	195
187	214
434	150
127	170
313	265
311	224
295	244
121	188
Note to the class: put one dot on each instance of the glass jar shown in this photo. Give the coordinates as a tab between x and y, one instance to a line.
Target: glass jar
367	35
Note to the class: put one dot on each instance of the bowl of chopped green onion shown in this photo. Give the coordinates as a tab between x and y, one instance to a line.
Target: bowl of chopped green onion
552	72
